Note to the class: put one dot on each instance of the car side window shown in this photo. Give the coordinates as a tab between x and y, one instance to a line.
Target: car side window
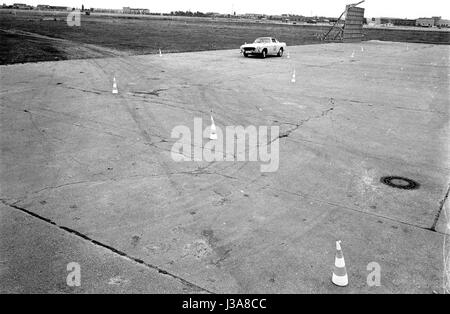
274	40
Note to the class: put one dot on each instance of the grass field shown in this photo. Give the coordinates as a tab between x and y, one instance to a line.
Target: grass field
33	36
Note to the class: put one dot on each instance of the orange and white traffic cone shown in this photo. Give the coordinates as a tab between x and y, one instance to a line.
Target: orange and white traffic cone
340	277
353	54
293	77
160	53
115	90
213	134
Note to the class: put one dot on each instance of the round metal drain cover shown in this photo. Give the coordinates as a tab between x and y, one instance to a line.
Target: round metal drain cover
400	183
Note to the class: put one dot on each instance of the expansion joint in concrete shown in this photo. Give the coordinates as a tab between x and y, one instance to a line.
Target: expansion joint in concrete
441	208
107	247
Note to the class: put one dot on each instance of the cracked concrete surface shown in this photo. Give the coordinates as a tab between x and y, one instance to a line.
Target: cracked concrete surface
99	165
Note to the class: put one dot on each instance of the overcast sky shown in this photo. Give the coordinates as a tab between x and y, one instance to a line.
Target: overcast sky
386	8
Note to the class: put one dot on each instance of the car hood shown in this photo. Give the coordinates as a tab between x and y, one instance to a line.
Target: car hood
259	45
252	45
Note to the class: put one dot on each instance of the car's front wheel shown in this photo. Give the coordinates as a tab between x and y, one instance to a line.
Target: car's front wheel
264	54
280	52
245	54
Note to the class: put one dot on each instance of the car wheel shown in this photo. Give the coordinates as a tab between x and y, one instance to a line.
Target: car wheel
280	52
245	54
263	54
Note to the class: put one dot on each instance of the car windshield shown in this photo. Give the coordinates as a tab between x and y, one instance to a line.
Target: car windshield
262	40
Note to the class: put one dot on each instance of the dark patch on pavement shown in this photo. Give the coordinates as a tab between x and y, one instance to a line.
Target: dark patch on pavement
135	239
400	183
209	235
155	92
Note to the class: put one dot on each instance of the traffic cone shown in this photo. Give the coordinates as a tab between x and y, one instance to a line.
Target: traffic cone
288	56
160	53
213	134
362	49
293	77
115	90
340	277
353	54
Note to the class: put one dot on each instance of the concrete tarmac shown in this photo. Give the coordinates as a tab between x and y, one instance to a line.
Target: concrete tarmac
87	176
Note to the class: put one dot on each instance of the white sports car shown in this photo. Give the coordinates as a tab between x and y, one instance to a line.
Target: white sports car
264	46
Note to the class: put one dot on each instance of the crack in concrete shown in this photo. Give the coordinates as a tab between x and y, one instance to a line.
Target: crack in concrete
366	154
199	171
358	210
60	186
82	90
42	133
154	92
202	171
301	123
160	270
441	208
171	105
73	123
33	123
385	107
63	114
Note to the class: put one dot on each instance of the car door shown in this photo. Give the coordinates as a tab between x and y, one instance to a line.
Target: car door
274	46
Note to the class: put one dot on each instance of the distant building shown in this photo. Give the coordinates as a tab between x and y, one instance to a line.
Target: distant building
22	6
45	7
102	10
425	22
59	8
443	23
253	16
276	17
42	7
390	21
380	21
436	19
128	10
403	22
